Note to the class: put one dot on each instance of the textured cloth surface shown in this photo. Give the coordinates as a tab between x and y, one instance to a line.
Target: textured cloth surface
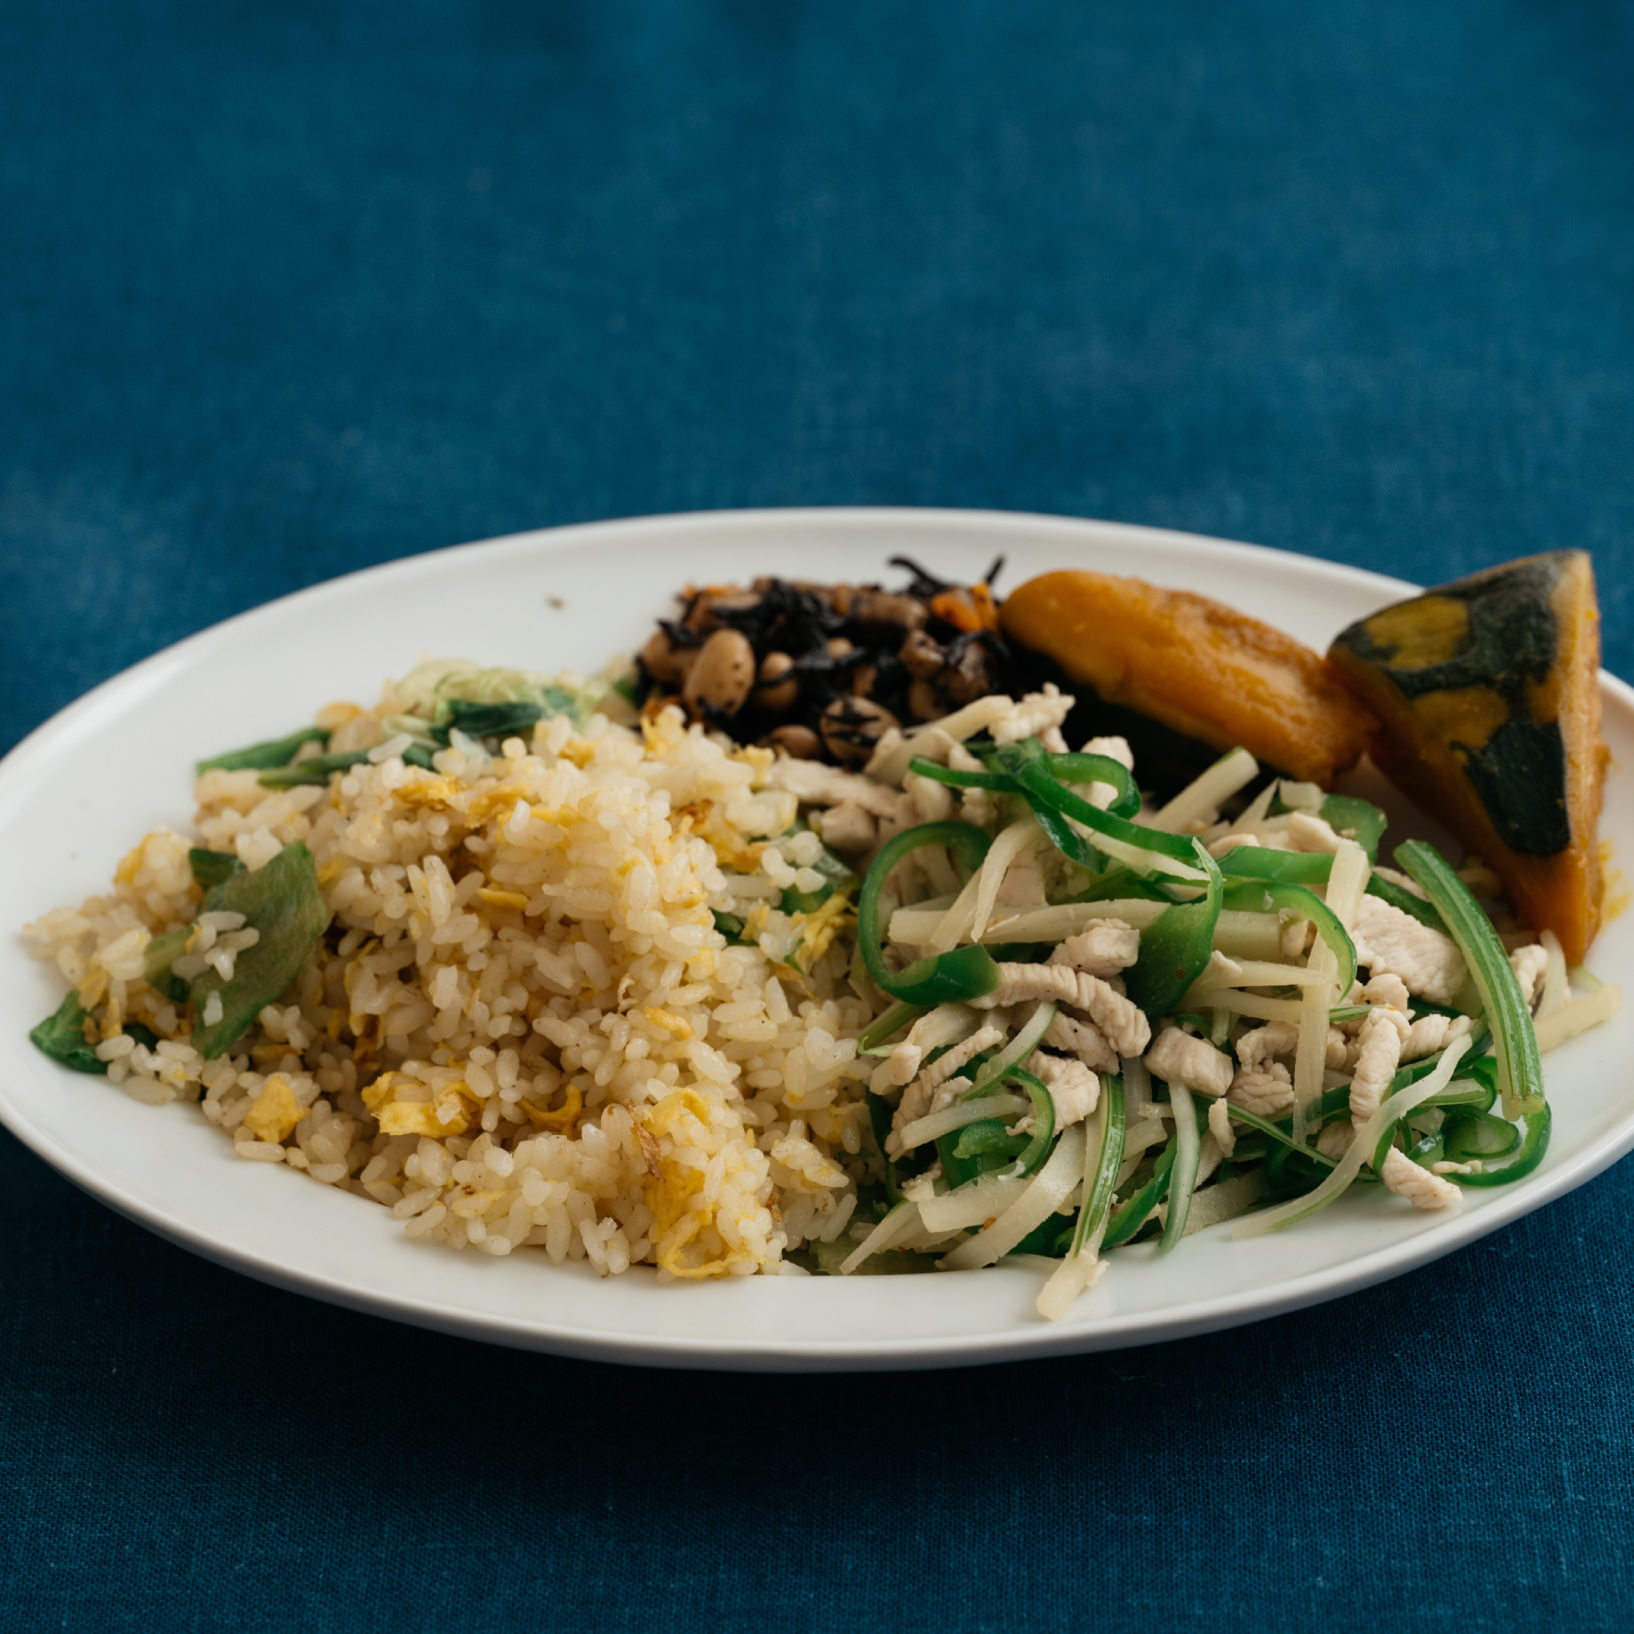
289	290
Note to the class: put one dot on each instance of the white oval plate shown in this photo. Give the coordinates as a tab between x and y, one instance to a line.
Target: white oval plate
82	789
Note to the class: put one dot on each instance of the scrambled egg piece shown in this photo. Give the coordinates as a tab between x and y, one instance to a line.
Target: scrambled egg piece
819	928
428	791
274	1113
672	1189
562	1118
668	1020
452	1110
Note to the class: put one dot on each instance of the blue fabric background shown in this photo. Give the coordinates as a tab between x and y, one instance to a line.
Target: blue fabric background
293	289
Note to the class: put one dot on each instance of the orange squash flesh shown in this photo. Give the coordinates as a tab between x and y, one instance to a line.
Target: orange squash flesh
1198	666
1488	695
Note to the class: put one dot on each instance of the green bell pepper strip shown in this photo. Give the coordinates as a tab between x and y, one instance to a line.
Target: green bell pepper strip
946	978
1533	1144
996	781
1476	1085
966	1154
1479	1093
1359	820
1061	833
1520	1069
1175	948
1280	867
1006	1063
1028	763
1132	1215
1472	1087
1266	896
879	1124
984	1137
883	1026
1065	768
1241	1114
1478	1135
1183	1176
1037	1148
1063	836
1083	768
1102	1176
1427	1150
1120	883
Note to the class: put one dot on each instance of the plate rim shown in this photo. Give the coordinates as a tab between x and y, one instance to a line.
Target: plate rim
1128	1330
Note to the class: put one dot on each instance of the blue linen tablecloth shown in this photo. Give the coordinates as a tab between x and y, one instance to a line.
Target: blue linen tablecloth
291	290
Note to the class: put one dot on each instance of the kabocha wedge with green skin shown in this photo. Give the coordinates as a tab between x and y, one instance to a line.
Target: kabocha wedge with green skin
1488	696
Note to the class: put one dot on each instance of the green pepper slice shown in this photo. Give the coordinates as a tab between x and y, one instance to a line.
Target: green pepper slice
1520	1069
946	978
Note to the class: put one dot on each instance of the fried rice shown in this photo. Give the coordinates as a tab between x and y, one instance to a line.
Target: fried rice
522	1026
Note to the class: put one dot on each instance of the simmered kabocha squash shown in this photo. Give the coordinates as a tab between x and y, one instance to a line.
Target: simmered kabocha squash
1196	665
1488	696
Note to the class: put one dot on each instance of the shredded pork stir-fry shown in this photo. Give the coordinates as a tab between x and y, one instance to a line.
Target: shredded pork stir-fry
1110	1020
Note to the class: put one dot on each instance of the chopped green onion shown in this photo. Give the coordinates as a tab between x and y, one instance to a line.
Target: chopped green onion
283	902
730	925
836	877
261	756
159	955
62	1036
320	768
210	868
490	720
